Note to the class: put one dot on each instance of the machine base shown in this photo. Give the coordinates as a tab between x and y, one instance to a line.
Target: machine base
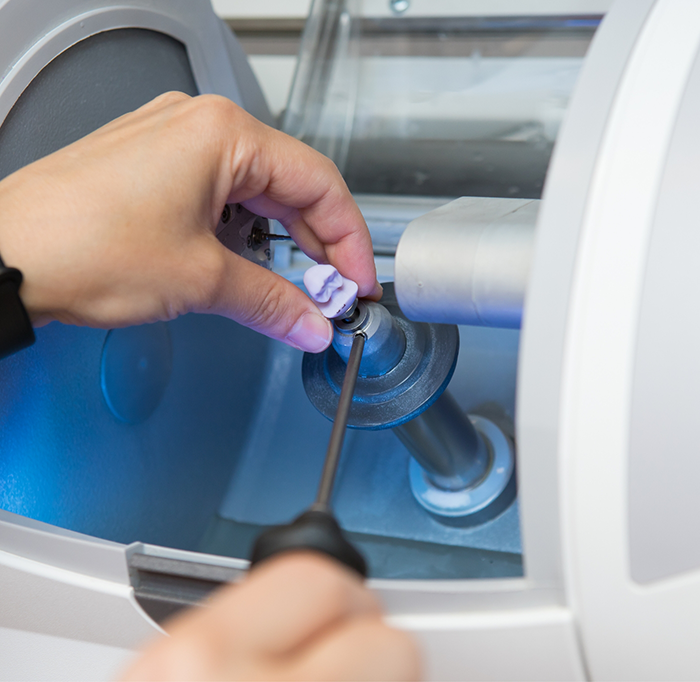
476	504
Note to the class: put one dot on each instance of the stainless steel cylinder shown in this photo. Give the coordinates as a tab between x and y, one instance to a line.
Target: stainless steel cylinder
467	262
405	365
445	443
385	341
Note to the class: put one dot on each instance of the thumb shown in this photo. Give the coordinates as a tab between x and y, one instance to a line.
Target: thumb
271	305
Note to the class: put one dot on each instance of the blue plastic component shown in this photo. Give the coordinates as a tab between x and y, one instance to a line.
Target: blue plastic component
136	367
67	460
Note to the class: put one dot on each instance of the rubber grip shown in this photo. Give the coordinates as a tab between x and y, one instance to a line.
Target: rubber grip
314	530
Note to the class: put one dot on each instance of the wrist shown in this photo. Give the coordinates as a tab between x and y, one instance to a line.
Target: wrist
21	246
16	332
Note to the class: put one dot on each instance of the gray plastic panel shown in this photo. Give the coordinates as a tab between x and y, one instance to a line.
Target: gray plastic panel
88	85
664	455
253	99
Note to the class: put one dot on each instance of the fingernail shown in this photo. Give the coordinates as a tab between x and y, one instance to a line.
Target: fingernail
377	291
311	333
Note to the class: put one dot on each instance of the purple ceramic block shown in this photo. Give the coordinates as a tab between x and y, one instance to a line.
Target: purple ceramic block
333	293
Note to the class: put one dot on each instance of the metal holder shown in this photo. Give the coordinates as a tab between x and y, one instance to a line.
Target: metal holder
462	468
446	445
480	501
403	391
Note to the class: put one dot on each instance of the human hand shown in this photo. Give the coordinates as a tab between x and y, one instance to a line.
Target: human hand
298	616
118	228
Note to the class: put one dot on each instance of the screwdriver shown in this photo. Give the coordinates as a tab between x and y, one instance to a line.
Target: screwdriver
316	529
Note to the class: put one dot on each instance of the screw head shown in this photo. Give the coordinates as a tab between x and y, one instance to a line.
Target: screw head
399	6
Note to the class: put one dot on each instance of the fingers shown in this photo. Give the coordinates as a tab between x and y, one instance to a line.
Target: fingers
269	304
304	237
291	219
296	617
290	174
299	616
364	648
251	628
291	599
134	201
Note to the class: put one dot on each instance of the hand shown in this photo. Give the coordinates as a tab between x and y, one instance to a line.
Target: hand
295	617
118	228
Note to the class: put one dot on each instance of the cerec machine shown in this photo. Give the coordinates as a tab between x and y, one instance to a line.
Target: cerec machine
540	519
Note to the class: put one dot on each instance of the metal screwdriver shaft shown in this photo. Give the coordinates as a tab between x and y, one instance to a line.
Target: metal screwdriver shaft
335	444
316	529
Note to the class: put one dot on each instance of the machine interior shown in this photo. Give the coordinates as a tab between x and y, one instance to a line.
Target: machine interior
202	436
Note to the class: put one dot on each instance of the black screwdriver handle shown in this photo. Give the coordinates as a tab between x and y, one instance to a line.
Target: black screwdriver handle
316	529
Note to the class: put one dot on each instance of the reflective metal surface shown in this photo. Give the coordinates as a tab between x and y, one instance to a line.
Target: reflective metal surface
382	402
485	499
468	262
446	445
335	443
386	341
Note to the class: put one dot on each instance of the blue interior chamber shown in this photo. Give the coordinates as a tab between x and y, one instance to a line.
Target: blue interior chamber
196	433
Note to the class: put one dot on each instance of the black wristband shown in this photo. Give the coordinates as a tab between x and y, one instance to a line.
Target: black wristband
16	330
